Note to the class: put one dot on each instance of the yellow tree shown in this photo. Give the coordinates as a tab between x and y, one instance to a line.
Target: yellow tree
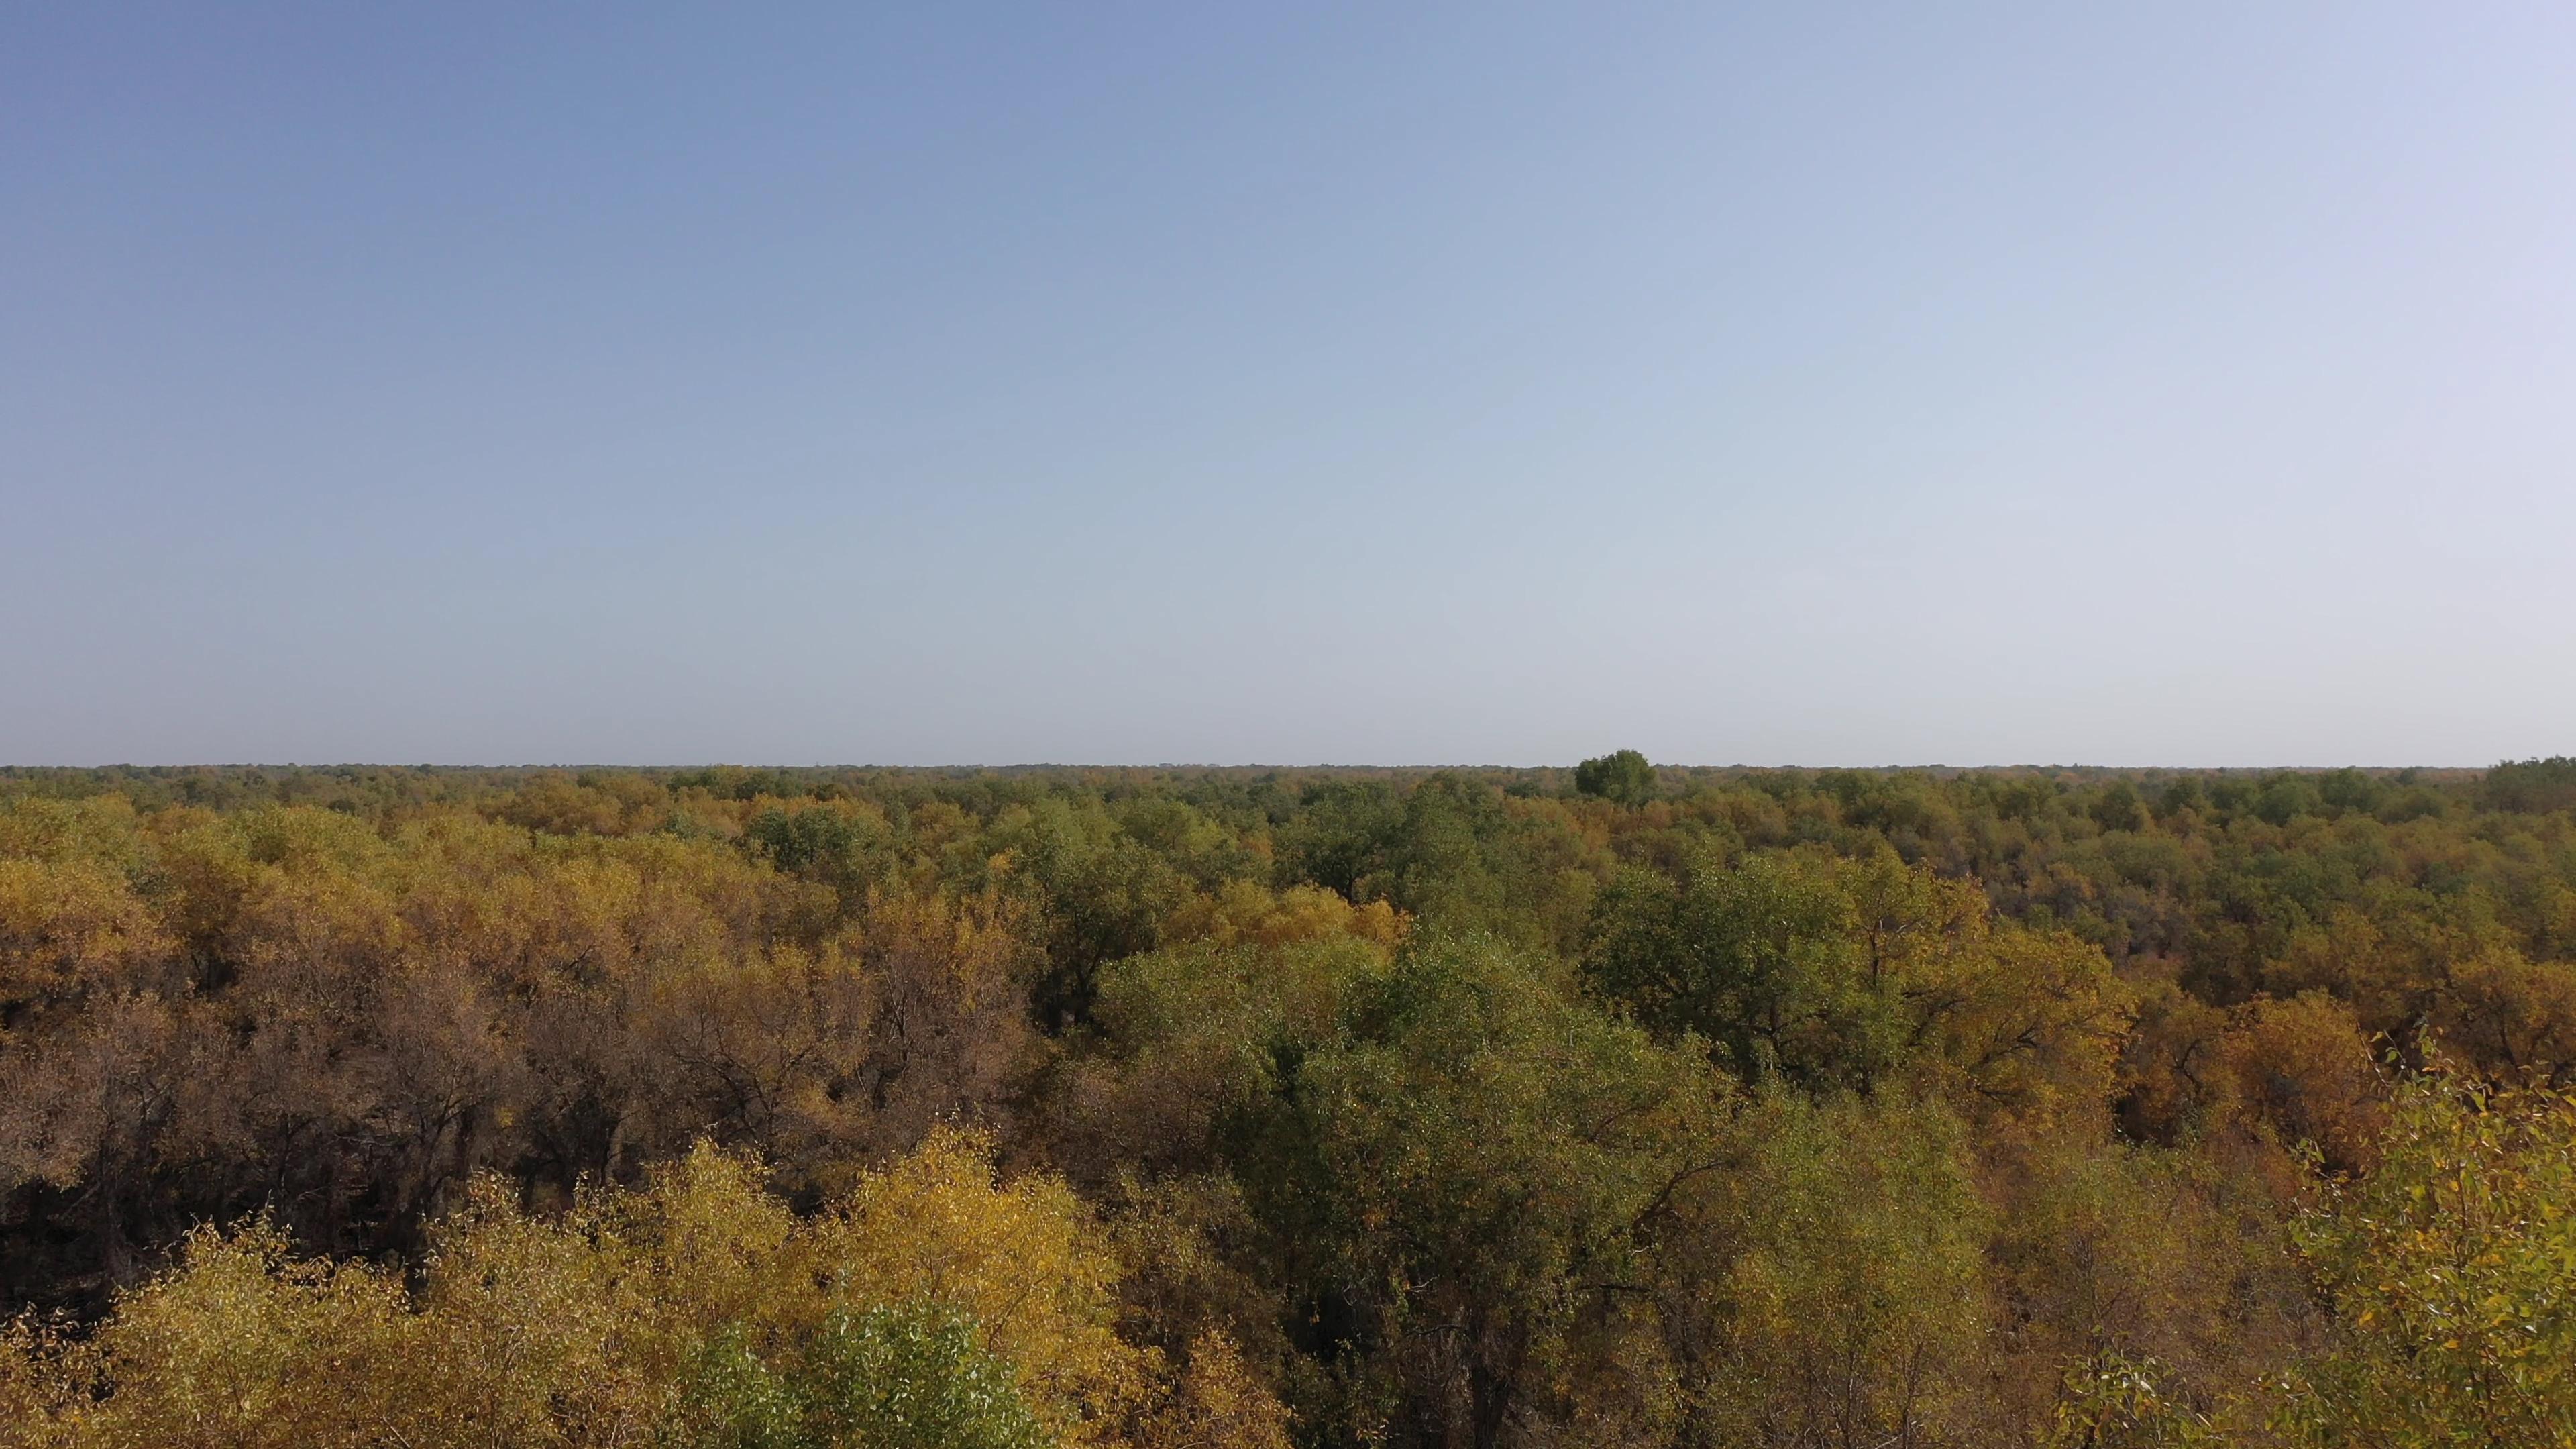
2450	1268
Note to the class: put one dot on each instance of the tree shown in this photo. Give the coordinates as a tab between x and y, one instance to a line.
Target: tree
1624	776
1452	1184
910	1377
935	1305
2118	808
2446	1267
1822	1286
1833	973
2533	785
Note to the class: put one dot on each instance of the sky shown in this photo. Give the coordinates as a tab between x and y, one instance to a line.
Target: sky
1427	383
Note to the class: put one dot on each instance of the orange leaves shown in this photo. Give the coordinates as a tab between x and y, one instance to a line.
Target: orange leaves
2290	1072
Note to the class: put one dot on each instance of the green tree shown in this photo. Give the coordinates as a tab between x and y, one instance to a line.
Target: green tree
2535	786
1823	1287
915	1377
1453	1184
1755	959
1624	776
1102	893
1833	973
2118	808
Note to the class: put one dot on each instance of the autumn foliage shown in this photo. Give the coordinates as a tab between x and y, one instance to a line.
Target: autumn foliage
1255	1108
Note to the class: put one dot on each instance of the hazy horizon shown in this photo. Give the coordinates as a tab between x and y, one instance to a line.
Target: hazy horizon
1187	765
1013	382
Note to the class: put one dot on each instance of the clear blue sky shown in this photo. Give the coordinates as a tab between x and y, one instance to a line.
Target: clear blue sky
1392	383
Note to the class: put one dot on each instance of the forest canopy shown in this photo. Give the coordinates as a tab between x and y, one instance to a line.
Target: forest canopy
1620	1105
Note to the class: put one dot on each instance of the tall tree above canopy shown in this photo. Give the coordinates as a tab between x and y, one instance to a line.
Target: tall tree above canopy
1624	776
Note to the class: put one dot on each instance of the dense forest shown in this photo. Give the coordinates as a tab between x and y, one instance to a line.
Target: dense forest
1170	1108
